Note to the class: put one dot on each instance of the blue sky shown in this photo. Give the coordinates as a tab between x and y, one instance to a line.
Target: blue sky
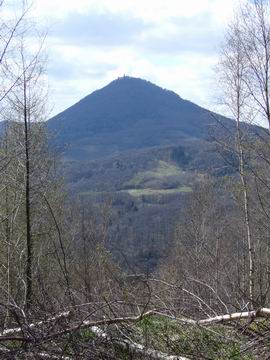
173	43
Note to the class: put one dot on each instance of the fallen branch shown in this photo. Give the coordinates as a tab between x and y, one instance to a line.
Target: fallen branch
135	348
36	355
88	323
84	324
34	325
43	355
254	314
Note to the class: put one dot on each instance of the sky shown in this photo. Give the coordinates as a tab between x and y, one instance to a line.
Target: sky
172	43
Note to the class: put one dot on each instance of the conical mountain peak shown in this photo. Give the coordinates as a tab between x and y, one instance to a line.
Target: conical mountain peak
129	113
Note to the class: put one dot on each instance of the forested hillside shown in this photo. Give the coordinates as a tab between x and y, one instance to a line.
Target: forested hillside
129	114
142	149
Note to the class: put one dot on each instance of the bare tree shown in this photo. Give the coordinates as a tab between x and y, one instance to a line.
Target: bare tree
254	39
233	74
11	29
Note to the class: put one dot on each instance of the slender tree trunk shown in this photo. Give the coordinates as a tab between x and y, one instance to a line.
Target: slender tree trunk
7	235
29	245
245	194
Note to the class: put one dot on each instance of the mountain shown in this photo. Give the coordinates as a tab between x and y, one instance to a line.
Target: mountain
142	149
128	114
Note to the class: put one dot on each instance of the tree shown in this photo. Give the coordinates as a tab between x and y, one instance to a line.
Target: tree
30	182
254	39
234	73
11	28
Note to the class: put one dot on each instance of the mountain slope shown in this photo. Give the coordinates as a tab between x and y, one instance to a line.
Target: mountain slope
143	148
127	114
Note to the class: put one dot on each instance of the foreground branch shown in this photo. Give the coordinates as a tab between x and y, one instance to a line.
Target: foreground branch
135	348
127	345
254	314
34	325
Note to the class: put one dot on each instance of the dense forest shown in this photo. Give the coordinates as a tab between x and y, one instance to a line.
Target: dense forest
170	260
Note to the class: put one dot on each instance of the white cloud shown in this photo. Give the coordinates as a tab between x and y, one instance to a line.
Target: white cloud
150	10
172	43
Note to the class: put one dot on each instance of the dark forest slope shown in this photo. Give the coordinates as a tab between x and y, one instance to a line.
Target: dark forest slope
127	114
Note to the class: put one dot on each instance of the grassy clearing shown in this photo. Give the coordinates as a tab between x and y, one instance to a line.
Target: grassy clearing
142	192
162	170
148	192
137	186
